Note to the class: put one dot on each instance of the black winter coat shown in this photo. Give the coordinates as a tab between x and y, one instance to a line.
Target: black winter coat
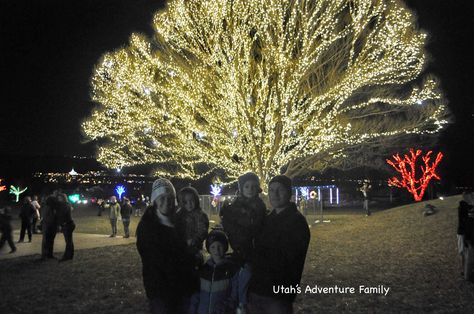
27	211
242	221
63	213
126	211
280	253
167	267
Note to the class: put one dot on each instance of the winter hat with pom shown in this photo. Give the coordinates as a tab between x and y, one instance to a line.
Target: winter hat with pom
161	186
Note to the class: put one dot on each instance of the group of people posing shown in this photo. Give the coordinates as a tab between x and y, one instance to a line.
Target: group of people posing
268	250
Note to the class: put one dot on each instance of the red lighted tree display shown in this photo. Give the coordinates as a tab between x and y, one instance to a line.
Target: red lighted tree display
2	187
406	166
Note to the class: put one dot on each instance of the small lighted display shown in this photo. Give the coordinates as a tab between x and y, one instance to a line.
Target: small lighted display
16	191
74	198
120	190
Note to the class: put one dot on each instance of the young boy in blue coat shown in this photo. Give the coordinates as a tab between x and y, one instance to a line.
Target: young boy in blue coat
219	279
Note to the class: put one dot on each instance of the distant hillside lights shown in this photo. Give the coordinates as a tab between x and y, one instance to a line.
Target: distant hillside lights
91	177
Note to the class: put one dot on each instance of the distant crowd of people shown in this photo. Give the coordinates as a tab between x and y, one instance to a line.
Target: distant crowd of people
52	214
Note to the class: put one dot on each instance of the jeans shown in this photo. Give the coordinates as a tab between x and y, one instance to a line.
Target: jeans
68	228
244	279
113	223
366	207
34	229
126	224
47	245
25	226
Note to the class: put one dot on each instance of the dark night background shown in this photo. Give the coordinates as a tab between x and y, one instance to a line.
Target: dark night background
49	49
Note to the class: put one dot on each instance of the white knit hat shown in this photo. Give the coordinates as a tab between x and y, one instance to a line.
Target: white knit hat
161	186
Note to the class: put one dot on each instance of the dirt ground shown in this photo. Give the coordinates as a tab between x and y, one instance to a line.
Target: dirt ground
414	256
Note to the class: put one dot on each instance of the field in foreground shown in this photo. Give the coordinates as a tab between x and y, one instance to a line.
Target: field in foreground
414	256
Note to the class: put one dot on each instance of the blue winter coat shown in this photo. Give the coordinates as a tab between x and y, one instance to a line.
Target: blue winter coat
219	289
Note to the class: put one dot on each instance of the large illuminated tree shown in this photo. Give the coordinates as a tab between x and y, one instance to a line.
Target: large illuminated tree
263	85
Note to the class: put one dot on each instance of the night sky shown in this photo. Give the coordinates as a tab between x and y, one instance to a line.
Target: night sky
49	49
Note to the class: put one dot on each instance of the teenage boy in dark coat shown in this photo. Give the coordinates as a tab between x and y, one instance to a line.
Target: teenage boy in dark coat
280	252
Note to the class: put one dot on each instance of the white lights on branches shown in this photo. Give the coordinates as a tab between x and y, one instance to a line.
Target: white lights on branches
268	84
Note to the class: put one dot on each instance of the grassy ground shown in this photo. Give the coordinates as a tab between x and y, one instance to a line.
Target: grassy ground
414	256
87	221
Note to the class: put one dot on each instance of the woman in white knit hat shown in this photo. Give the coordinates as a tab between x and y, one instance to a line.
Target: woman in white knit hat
167	267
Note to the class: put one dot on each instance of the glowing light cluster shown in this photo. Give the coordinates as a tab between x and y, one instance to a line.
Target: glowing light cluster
257	85
216	190
2	187
406	166
74	198
304	192
16	190
120	189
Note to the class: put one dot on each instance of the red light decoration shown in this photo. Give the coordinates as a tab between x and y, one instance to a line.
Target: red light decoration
407	168
2	187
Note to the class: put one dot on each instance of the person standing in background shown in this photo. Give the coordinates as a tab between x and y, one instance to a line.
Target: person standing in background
114	214
49	226
64	218
365	188
37	215
126	211
6	229
27	212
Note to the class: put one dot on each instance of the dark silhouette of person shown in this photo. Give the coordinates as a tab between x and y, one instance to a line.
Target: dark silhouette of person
27	213
126	211
64	218
6	229
49	226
